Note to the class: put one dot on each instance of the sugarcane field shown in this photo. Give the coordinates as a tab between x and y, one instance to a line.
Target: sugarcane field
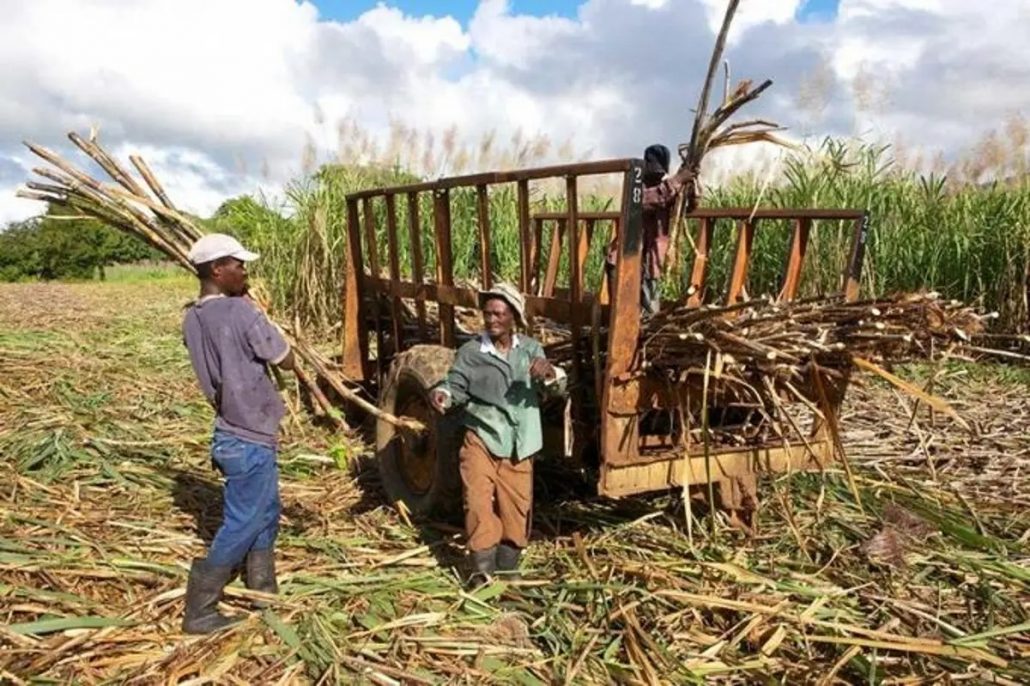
748	406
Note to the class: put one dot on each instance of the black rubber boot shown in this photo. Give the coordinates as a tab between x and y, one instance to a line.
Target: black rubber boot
260	574
484	564
203	591
508	562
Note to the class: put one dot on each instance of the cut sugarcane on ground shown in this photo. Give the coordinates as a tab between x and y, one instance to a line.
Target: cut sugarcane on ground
108	492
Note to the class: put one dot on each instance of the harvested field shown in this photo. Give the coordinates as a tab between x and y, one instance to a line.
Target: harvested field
107	493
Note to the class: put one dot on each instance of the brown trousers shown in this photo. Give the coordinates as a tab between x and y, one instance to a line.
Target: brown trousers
498	496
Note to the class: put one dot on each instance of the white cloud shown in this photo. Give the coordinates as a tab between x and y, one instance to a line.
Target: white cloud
222	97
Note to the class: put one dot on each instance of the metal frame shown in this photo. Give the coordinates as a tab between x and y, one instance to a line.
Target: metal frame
631	463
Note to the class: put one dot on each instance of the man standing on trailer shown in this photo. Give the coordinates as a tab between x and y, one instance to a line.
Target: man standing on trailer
499	378
231	343
659	192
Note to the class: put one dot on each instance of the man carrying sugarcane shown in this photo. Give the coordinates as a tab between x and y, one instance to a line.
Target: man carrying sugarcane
659	193
231	343
498	379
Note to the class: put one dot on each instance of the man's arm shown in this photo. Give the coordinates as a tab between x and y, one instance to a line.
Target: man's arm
265	339
550	379
289	362
661	195
454	389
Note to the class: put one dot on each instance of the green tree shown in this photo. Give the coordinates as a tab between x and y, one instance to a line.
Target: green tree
56	246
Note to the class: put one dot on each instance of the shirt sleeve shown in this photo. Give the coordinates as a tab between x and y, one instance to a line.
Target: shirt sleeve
549	387
658	196
265	341
456	383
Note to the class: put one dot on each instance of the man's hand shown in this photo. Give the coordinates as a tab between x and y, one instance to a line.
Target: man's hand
439	399
541	370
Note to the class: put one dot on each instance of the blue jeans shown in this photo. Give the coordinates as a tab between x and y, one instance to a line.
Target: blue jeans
250	519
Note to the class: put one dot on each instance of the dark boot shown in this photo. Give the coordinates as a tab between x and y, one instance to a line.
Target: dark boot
260	574
203	591
508	562
484	564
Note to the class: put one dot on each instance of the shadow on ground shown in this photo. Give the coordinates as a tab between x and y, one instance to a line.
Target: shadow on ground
201	498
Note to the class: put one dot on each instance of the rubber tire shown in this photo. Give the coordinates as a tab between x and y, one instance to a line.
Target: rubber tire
413	374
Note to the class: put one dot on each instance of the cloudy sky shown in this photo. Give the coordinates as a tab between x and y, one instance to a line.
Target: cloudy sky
227	96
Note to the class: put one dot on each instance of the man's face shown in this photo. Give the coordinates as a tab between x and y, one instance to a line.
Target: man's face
231	276
498	318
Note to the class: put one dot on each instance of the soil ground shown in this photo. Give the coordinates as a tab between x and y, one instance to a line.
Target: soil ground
107	493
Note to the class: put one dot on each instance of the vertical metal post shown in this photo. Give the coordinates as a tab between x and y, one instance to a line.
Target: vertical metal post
699	272
525	237
376	290
417	273
355	338
554	258
854	267
444	262
395	274
741	260
795	259
483	206
619	434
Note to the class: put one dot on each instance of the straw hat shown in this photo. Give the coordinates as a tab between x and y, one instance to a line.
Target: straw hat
509	294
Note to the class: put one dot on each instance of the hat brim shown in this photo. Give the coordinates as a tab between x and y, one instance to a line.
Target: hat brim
245	255
520	316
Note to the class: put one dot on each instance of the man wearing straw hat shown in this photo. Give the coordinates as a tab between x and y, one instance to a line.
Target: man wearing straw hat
498	379
231	343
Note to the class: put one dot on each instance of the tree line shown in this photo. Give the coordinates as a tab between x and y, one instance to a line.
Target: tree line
56	246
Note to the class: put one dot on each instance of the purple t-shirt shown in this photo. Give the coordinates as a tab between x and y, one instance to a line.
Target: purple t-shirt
231	343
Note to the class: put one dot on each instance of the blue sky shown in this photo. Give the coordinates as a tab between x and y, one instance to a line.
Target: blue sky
344	10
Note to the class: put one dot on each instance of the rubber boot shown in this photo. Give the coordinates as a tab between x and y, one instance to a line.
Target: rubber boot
260	574
508	562
484	564
203	591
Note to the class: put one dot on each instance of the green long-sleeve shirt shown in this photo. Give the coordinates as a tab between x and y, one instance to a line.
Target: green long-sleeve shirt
501	401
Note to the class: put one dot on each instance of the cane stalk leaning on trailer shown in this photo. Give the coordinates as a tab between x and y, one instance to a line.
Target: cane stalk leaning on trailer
231	344
498	379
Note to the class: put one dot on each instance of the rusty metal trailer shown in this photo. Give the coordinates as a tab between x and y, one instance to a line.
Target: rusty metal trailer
400	329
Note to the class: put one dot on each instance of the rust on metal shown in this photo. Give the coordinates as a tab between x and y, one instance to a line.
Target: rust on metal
578	169
795	258
703	248
444	261
395	269
589	216
373	261
558	309
417	268
741	260
618	434
853	272
483	217
554	256
355	343
575	263
534	255
525	237
611	399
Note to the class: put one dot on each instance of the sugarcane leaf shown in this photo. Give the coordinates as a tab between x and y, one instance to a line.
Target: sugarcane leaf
49	626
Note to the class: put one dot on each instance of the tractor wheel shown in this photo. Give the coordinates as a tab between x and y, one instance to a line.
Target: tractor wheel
422	471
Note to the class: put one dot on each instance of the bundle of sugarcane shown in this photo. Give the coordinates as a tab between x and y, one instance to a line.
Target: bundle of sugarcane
764	333
710	130
146	211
